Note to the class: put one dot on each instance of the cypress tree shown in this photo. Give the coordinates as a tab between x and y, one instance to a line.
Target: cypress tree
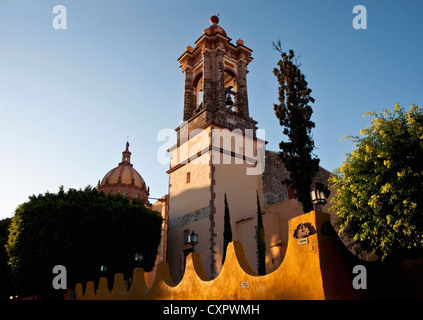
261	244
227	230
294	114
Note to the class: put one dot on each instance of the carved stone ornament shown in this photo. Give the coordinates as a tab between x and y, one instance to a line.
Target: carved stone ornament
302	231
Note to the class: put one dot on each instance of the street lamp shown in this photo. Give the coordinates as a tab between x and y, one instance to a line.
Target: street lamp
139	258
193	239
318	196
103	269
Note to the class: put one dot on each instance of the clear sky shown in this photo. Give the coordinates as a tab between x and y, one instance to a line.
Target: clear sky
69	98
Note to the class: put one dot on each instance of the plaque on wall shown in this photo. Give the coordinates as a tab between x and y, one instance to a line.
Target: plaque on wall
303	241
302	231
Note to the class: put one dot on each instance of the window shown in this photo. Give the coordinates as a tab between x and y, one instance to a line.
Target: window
125	193
198	87
112	192
200	98
231	88
137	195
188	177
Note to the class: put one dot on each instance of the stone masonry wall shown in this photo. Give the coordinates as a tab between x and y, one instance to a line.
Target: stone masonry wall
274	190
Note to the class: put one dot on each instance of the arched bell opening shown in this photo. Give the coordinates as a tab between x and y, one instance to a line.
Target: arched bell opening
198	92
231	88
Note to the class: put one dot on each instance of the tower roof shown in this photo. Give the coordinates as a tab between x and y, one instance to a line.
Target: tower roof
216	34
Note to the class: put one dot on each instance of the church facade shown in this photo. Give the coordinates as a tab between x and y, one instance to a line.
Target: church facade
219	151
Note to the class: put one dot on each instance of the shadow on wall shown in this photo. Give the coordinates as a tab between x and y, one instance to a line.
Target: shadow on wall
317	266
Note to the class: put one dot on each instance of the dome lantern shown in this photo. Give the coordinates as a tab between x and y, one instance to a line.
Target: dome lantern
126	156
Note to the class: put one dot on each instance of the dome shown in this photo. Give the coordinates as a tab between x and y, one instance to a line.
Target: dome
124	179
124	174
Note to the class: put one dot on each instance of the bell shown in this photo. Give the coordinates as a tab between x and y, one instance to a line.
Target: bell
229	101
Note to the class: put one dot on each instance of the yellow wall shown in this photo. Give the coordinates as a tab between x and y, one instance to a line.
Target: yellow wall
241	191
316	270
211	176
187	197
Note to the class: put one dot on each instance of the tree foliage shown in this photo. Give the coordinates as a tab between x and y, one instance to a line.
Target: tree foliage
6	289
261	242
379	198
81	230
294	114
227	229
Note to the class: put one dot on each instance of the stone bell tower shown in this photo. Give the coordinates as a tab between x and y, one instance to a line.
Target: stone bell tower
215	109
216	79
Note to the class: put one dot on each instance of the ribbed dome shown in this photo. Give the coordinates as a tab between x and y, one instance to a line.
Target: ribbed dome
124	179
124	174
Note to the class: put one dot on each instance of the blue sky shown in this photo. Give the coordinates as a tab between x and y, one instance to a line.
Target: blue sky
69	98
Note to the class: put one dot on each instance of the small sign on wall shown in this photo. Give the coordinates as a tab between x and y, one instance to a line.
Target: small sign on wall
245	284
301	233
303	241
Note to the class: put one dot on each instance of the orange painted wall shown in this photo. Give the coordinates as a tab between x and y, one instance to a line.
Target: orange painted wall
319	269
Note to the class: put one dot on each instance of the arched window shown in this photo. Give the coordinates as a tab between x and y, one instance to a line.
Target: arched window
112	192
200	98
198	92
125	193
231	89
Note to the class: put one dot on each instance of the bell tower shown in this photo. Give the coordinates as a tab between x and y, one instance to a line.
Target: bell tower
216	79
205	163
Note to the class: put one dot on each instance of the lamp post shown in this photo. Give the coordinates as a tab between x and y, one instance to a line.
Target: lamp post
318	197
193	239
139	258
103	270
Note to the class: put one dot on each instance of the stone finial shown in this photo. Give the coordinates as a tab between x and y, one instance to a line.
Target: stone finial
189	49
240	42
214	20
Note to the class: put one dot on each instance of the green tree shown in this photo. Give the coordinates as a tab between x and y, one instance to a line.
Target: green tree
6	289
294	114
379	199
227	230
81	230
261	243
